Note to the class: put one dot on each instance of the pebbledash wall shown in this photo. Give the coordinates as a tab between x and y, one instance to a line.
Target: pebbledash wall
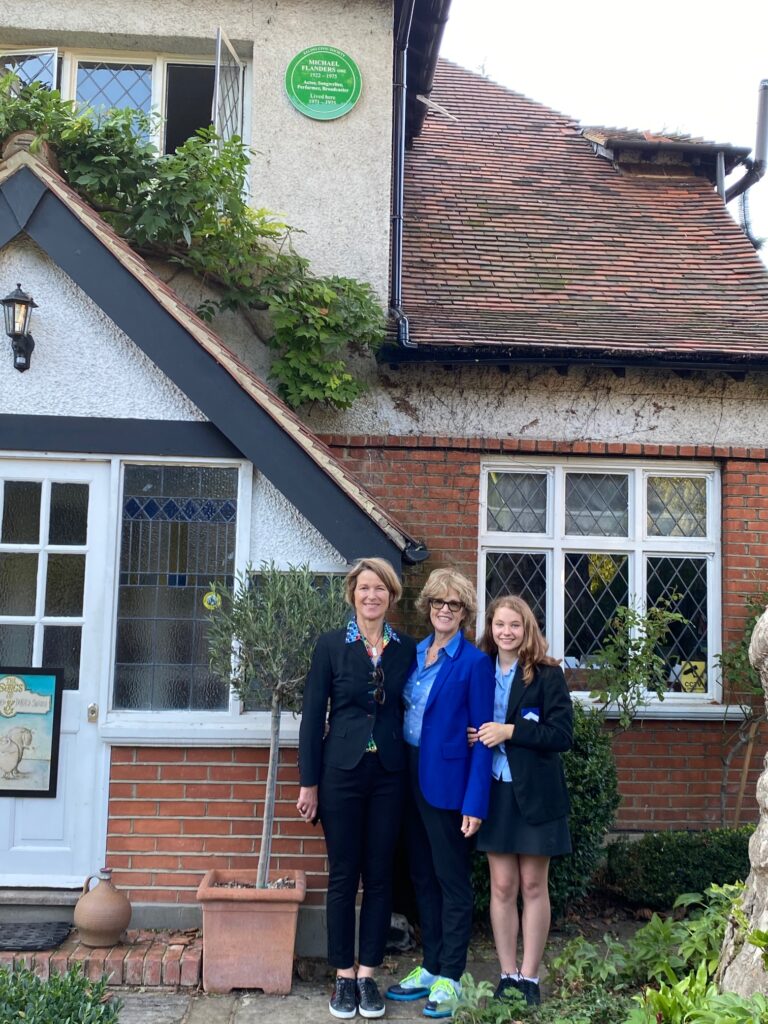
329	179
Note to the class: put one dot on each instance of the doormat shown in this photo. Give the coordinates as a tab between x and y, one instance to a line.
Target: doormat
33	937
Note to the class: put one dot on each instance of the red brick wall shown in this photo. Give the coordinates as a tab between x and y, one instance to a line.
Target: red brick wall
176	812
670	772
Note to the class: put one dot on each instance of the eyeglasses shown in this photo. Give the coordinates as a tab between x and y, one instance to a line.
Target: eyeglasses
436	603
379	693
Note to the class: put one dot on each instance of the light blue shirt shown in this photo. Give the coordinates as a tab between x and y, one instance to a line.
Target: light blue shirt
501	769
416	690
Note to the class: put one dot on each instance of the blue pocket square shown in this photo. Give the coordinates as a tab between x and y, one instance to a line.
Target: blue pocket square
530	714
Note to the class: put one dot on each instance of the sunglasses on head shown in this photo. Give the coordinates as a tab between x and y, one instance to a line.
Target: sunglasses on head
379	694
436	603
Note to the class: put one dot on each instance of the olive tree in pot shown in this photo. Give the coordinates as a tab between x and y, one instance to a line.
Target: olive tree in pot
261	636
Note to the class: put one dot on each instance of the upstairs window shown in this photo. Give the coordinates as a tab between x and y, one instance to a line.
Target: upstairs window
189	94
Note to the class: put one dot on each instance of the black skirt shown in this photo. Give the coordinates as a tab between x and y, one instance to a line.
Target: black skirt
506	831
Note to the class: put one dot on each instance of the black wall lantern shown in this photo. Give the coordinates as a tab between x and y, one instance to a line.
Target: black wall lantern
17	308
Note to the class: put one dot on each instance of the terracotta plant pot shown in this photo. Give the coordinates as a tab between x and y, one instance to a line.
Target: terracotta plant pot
249	934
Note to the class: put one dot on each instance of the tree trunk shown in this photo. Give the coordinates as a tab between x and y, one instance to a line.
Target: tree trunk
741	964
265	852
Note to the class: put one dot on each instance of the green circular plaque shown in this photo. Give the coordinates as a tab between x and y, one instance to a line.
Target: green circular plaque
323	83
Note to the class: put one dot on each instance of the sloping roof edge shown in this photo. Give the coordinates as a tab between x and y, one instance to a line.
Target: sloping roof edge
20	211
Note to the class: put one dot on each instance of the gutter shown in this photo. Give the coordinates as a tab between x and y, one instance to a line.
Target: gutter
756	166
493	355
399	97
437	17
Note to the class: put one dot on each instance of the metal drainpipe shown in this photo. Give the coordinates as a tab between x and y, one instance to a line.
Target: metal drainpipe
757	164
398	171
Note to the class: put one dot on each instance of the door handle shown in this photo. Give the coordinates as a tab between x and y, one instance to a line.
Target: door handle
93	713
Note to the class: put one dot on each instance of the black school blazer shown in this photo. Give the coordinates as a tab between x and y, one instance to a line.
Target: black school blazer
341	673
542	714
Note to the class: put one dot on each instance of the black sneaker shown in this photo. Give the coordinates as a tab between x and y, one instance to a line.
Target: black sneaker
506	987
531	991
343	1002
369	1001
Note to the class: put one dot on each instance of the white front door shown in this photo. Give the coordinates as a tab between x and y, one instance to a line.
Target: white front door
54	564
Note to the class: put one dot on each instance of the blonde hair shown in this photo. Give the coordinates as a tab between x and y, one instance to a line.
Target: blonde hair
382	568
439	582
533	649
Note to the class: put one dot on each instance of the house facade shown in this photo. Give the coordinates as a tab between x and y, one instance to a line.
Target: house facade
573	408
579	414
140	458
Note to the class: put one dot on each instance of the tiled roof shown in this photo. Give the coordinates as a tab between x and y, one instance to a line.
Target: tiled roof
252	385
521	241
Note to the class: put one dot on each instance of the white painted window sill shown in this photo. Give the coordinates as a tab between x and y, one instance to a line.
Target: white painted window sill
252	730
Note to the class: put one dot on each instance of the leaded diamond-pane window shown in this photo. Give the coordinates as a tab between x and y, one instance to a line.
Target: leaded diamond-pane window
517	502
596	504
35	66
595	585
227	114
522	573
103	86
578	538
178	535
682	584
677	506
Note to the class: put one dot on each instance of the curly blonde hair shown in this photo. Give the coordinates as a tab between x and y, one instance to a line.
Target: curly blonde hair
533	650
439	582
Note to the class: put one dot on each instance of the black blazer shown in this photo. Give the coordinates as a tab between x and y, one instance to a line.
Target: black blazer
342	674
542	714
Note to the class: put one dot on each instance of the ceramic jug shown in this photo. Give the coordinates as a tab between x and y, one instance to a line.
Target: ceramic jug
102	914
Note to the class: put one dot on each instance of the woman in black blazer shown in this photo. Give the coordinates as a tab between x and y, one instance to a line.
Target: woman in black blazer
351	774
527	820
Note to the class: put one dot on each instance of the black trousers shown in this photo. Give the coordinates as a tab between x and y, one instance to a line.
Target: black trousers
360	810
441	868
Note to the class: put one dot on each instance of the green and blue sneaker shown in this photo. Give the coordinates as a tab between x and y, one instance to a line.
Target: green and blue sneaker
415	985
442	998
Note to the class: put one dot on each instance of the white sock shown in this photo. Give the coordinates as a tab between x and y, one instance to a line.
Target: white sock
535	980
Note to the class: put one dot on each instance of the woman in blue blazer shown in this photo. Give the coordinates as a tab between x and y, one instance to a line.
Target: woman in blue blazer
449	690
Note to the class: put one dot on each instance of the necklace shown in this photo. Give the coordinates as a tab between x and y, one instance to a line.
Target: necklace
373	645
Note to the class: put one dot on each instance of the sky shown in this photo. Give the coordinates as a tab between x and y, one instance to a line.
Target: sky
672	65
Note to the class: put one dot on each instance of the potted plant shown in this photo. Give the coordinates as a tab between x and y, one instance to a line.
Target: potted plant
261	636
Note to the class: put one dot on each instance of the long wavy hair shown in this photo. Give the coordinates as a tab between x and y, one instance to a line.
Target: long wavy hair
532	652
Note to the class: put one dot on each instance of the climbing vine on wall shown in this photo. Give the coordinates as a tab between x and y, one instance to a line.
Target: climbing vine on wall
189	207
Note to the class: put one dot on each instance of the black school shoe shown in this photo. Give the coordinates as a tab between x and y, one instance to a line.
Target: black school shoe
506	987
369	1001
343	1002
531	991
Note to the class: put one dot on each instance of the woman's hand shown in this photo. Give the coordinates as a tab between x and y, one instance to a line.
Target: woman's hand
306	805
470	825
491	734
471	736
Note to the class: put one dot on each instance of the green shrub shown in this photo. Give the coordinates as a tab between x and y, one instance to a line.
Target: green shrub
68	998
653	871
591	774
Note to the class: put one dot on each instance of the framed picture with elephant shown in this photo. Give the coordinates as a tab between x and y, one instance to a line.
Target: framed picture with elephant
30	728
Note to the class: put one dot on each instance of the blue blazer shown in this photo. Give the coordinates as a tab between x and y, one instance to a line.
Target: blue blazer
451	775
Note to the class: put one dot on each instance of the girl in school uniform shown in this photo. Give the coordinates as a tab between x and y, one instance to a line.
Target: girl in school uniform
527	821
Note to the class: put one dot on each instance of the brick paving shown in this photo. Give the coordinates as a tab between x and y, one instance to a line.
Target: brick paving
146	959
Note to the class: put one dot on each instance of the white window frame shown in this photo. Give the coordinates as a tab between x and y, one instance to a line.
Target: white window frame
169	728
158	62
637	545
